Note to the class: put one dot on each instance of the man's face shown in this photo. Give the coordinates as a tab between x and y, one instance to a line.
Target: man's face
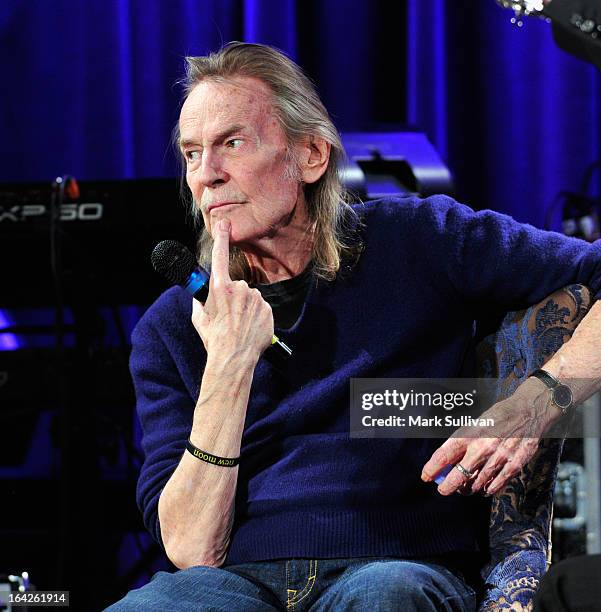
236	161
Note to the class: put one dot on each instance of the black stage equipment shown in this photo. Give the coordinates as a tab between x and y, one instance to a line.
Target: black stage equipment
393	163
105	237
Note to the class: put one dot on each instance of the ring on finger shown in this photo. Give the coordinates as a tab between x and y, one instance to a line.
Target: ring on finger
464	472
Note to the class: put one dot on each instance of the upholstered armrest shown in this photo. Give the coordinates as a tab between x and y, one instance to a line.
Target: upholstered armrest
521	513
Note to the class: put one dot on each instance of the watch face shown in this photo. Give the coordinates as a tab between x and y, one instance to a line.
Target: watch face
562	396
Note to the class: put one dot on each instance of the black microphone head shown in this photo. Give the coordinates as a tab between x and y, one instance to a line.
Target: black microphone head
173	260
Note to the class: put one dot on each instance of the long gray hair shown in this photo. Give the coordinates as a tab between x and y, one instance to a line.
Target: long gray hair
301	113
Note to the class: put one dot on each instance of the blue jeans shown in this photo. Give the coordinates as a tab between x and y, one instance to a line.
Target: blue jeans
299	585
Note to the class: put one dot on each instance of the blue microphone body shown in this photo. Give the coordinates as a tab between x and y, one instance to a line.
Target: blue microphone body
197	284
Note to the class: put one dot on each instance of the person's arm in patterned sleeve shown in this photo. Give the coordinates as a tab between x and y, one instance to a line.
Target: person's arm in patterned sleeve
521	420
489	258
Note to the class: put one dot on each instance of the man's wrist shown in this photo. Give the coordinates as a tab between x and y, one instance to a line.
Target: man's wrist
560	394
235	358
537	397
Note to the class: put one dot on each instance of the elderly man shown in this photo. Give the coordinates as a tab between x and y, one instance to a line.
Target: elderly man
301	516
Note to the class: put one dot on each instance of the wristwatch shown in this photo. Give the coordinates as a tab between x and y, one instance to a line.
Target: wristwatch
560	394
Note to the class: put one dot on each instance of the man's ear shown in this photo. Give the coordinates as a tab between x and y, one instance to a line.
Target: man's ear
314	155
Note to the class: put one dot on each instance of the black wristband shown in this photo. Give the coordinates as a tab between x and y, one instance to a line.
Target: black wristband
208	458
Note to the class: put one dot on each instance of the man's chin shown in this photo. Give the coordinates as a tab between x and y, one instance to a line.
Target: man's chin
236	237
212	221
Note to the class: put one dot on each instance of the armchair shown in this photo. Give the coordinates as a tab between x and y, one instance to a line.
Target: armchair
521	513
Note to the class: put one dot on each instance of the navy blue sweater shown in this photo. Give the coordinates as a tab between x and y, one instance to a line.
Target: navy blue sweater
407	309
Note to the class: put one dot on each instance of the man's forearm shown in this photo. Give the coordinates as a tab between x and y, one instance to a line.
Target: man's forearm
196	507
578	361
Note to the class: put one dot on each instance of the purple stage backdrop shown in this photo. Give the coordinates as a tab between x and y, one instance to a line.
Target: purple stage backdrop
89	86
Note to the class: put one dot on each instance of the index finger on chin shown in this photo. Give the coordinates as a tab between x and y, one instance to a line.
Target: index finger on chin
220	256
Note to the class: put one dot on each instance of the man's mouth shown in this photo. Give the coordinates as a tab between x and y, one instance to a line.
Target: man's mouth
216	205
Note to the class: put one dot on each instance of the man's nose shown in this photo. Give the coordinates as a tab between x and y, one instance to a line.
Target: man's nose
211	172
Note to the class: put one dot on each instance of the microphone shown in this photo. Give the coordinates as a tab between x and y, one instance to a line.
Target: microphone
174	261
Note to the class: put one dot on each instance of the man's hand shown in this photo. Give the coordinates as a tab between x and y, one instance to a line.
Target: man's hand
519	422
235	318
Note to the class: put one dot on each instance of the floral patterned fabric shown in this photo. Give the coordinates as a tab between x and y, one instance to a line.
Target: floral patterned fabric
521	513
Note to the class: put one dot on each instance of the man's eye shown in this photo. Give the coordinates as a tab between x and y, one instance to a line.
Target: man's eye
234	143
192	156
